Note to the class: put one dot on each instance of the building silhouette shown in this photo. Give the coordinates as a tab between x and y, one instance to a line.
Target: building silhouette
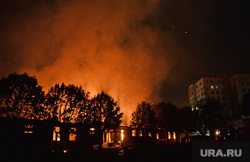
228	90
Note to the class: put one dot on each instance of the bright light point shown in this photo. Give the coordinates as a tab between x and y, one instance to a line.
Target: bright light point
186	32
140	134
65	151
174	135
169	135
157	136
217	132
133	133
92	129
122	135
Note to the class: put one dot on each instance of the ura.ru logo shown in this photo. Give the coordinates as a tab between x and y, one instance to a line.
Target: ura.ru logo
220	153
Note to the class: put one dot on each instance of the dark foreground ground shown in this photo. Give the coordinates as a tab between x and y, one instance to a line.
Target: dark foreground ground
173	152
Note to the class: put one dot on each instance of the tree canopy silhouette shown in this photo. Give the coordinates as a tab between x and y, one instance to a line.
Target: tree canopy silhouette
143	118
21	97
105	112
167	116
67	103
208	114
71	104
186	119
245	104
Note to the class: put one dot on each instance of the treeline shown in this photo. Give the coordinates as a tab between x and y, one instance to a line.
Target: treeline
164	116
22	97
206	116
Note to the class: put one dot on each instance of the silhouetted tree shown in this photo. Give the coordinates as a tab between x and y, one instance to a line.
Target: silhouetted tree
245	104
21	97
143	118
167	116
208	113
186	119
68	104
105	112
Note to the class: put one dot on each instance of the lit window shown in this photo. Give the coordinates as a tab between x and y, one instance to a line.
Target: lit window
109	137
149	134
92	131
217	87
56	134
27	132
28	129
72	134
157	136
122	135
174	135
169	135
133	133
140	134
212	87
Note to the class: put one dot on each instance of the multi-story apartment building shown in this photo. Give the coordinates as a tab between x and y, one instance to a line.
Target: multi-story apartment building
227	89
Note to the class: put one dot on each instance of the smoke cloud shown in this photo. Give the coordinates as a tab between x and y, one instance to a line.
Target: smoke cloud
134	50
115	46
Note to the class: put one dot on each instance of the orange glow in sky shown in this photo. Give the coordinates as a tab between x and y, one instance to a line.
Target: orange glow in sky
100	46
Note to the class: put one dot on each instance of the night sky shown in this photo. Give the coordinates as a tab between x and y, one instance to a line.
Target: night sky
133	49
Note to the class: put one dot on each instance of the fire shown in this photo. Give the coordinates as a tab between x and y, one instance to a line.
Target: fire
95	46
